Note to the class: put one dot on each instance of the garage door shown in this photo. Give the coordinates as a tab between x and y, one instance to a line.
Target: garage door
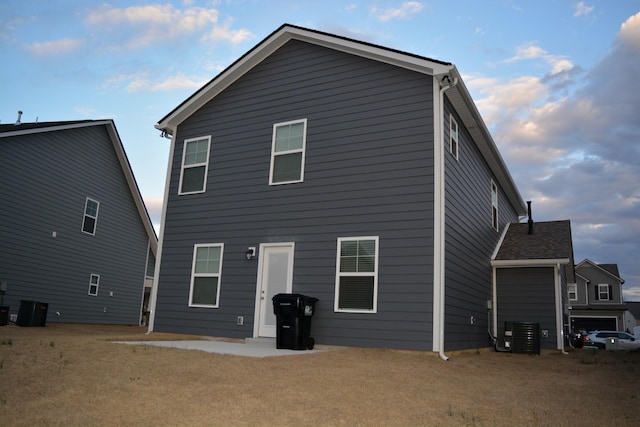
594	323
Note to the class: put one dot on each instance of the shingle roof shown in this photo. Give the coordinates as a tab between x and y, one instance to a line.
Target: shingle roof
611	268
550	240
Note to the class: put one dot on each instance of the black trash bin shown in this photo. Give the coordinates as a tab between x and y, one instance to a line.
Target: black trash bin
4	315
293	321
32	313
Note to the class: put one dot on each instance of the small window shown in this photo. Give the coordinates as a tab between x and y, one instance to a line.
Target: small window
195	162
94	283
494	205
357	275
205	275
453	136
603	292
572	290
90	217
288	152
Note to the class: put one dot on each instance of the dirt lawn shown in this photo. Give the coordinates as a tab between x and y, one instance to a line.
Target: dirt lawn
70	375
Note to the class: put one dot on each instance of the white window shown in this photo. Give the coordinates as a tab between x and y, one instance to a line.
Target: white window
572	290
205	275
195	163
453	136
90	217
603	292
494	205
94	283
357	275
288	152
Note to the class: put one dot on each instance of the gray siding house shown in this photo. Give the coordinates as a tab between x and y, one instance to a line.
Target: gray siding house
596	298
532	270
346	171
74	231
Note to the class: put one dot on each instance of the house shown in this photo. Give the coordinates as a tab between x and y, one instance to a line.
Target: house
75	234
532	270
596	298
353	173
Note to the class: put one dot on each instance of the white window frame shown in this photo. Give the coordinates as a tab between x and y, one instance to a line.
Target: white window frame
92	284
494	207
281	153
183	167
572	291
85	215
604	286
374	274
194	275
454	137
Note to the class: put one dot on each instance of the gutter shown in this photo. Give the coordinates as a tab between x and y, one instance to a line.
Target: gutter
439	216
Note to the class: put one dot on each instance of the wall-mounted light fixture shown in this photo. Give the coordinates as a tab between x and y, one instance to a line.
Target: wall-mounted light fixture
251	252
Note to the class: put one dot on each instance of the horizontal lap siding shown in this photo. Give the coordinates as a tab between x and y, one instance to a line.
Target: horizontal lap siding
368	172
527	295
470	240
45	180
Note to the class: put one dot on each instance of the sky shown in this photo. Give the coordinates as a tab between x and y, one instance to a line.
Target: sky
556	81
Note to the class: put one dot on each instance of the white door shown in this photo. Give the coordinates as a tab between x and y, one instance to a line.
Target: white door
275	276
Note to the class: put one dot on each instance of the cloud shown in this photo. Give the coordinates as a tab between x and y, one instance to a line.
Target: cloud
154	208
55	47
558	63
224	33
178	81
571	138
141	26
406	11
144	82
582	9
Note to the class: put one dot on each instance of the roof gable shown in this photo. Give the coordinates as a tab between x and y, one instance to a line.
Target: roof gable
458	94
608	269
277	39
10	130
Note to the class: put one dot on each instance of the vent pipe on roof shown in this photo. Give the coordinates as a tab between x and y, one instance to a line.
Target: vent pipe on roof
530	222
19	117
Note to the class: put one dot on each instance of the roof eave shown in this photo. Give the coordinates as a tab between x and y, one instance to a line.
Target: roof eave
529	262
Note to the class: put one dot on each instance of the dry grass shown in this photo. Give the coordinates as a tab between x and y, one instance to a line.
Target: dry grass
73	375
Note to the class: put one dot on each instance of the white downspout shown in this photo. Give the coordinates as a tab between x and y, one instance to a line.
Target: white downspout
439	219
156	273
559	323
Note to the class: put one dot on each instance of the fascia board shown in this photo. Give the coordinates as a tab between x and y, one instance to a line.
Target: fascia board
132	184
460	97
511	263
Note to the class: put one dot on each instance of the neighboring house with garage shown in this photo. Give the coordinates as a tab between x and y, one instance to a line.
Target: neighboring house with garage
596	298
533	268
353	173
75	235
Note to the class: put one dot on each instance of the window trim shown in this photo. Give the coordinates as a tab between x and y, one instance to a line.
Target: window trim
375	274
604	286
302	150
91	284
495	222
85	215
572	288
454	142
205	164
194	274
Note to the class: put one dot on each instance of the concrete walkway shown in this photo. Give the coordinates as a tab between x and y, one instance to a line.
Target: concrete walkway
251	347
